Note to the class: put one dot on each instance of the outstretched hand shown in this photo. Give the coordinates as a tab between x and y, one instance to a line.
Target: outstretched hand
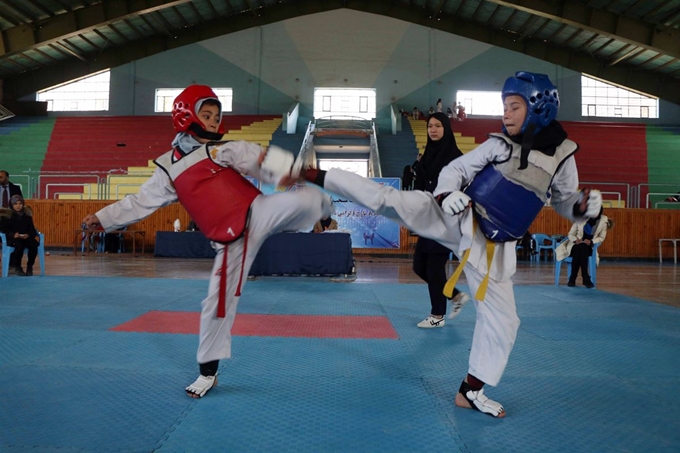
92	221
591	203
456	203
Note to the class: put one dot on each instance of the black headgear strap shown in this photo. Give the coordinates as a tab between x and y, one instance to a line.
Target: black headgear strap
527	143
200	132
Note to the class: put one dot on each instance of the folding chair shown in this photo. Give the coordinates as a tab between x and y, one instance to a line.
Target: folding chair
592	265
543	242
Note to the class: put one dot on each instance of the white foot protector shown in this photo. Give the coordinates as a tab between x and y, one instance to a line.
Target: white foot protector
201	386
479	401
457	304
277	164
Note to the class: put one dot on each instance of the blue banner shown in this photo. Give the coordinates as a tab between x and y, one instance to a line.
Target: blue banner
368	229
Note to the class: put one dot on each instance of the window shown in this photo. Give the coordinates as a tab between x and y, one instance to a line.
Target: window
480	102
606	100
358	166
83	95
166	96
344	102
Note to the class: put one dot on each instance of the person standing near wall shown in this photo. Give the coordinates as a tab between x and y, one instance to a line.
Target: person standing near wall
8	190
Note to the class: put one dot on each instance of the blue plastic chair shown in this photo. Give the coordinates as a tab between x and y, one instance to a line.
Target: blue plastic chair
543	242
7	251
592	265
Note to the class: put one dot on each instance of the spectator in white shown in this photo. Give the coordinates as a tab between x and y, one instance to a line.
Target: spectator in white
439	105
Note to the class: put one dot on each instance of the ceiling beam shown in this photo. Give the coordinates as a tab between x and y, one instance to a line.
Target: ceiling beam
651	82
48	31
656	37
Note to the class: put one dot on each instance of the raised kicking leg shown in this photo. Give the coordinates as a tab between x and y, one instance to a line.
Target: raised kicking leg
416	210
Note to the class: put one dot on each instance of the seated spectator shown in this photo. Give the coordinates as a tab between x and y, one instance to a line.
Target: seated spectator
582	237
439	105
449	113
21	234
416	113
326	223
431	111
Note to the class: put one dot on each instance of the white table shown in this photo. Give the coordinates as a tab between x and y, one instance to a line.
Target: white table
675	249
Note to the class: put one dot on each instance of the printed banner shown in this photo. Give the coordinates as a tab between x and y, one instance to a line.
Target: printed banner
368	230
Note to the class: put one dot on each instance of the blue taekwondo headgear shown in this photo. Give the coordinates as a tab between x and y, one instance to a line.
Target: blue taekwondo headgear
539	94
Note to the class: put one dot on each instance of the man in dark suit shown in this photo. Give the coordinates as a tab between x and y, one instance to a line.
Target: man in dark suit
7	189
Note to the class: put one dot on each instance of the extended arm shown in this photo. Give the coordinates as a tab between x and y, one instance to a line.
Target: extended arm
155	193
462	170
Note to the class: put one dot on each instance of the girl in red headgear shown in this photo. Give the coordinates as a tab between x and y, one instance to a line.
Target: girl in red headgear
205	175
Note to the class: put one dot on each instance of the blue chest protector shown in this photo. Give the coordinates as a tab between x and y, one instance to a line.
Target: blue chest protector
504	210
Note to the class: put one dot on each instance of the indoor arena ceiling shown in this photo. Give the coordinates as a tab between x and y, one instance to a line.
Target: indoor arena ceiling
635	43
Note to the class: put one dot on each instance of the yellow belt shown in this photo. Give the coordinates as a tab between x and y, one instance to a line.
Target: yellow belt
481	291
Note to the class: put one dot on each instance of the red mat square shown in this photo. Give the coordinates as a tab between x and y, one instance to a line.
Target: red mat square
308	326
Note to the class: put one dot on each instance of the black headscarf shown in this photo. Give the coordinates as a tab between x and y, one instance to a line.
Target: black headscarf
437	155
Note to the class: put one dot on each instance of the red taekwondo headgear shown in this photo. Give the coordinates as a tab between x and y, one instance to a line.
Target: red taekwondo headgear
185	112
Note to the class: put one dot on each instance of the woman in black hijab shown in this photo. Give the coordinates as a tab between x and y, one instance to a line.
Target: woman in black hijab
429	261
22	235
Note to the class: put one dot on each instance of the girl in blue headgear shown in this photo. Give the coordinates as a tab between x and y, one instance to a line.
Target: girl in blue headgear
483	203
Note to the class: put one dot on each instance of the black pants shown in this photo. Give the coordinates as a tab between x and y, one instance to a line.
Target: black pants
579	259
429	263
19	246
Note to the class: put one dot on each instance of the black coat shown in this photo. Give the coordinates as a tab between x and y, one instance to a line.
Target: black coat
437	156
13	190
22	224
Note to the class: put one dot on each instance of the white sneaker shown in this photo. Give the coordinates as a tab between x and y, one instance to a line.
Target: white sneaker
457	304
431	321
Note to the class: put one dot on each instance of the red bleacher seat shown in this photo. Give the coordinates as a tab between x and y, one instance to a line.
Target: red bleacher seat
100	144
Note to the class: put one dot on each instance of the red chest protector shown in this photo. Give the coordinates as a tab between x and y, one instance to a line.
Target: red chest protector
217	198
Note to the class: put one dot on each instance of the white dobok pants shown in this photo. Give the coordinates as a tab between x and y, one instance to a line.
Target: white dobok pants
497	322
270	214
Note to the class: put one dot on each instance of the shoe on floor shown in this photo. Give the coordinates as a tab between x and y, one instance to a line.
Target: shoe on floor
457	304
431	322
20	272
570	283
589	285
29	271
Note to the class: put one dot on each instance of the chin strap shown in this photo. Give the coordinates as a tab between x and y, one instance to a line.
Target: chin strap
202	133
527	143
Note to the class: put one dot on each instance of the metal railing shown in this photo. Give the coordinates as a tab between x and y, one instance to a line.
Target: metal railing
663	194
343	122
599	185
89	190
42	177
374	168
123	185
648	186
